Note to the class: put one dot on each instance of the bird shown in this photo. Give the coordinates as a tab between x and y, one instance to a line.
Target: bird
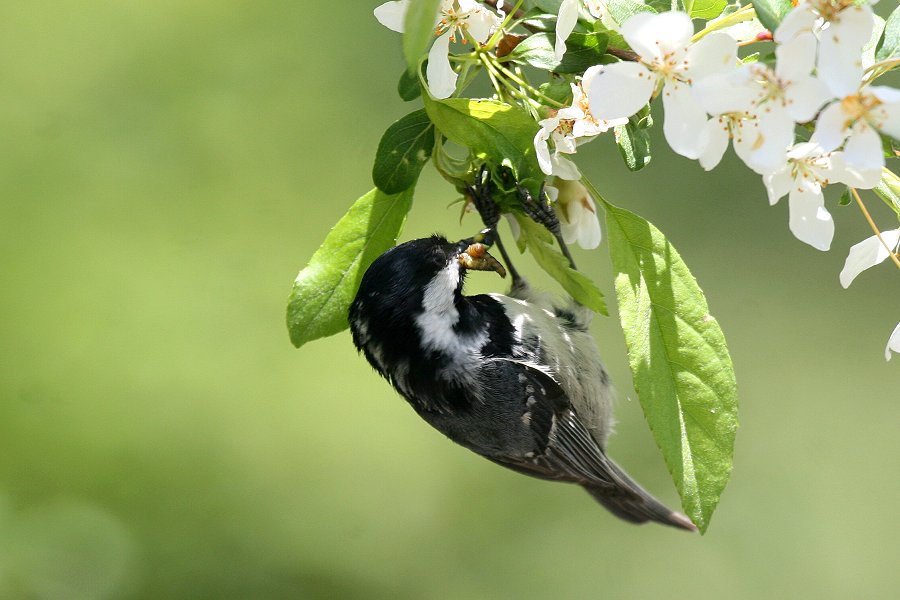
516	378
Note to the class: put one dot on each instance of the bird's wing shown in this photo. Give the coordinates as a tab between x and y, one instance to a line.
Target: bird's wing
561	446
563	449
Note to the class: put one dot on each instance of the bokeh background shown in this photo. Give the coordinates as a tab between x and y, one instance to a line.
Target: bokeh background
165	170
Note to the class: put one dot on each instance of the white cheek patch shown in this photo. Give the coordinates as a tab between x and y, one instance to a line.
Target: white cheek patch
439	317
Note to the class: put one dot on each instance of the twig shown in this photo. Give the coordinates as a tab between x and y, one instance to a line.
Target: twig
623	54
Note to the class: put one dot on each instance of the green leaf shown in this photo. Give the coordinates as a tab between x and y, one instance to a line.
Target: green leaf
541	244
557	89
889	47
409	86
418	30
324	289
665	5
492	130
890	146
548	6
583	50
888	189
402	152
704	9
845	198
634	144
679	361
868	51
537	20
771	12
622	10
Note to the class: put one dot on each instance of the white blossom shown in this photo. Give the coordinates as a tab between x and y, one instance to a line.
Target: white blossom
843	28
777	99
893	344
743	129
808	169
868	253
857	118
578	214
457	20
667	58
567	128
552	162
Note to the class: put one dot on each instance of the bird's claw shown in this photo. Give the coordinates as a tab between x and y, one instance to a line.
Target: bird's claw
539	209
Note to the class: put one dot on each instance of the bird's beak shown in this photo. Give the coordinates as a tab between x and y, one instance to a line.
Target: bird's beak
475	256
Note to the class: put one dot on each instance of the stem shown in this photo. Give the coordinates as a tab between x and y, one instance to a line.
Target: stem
495	39
501	82
880	68
744	13
490	71
862	207
890	63
531	89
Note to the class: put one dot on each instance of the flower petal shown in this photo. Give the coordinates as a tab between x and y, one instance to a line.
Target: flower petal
392	14
840	49
778	184
542	149
729	92
867	254
837	171
796	57
715	53
890	121
620	90
893	344
885	94
481	22
774	135
565	24
581	224
441	76
652	35
810	222
863	152
805	96
713	143
565	168
830	127
797	21
683	120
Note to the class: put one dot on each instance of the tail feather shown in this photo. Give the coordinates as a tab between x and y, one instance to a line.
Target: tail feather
629	501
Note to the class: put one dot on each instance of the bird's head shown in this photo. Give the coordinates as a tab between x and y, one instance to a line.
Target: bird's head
426	263
420	276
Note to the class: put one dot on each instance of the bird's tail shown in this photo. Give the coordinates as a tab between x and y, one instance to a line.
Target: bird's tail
629	501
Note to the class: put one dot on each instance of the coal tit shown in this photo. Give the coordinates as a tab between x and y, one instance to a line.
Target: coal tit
514	378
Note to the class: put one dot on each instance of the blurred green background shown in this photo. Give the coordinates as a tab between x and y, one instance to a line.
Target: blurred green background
165	170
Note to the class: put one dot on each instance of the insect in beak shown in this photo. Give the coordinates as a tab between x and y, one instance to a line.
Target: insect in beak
475	256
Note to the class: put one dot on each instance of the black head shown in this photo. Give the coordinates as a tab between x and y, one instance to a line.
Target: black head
392	291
